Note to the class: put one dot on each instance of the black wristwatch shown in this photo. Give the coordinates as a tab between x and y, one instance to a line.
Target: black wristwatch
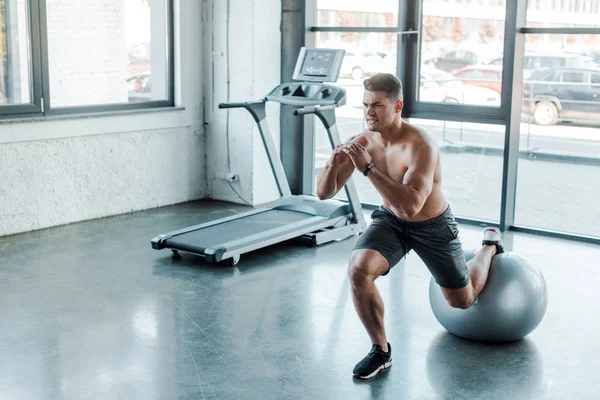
367	169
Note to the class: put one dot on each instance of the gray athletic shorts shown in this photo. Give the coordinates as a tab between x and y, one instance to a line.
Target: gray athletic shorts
436	242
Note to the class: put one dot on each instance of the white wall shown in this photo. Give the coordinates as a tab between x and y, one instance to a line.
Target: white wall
254	57
62	171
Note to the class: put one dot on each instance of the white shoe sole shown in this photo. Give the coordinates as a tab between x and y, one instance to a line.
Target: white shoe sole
378	370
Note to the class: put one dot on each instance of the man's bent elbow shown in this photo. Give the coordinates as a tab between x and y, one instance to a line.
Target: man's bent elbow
412	210
323	196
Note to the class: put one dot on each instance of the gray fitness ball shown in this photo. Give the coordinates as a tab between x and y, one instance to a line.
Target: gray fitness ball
510	306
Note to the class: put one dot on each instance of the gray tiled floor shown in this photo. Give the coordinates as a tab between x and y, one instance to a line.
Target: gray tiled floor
90	311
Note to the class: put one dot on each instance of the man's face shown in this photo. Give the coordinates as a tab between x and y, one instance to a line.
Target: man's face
380	111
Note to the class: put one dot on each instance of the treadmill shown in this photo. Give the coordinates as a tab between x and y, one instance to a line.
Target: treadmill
291	216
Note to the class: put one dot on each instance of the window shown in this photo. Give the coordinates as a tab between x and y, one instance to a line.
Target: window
575	77
15	63
557	180
532	164
93	56
469	39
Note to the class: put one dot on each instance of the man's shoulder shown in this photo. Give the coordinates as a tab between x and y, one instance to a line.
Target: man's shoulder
361	138
420	139
414	130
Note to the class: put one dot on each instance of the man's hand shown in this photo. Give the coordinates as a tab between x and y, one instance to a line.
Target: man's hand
338	157
358	154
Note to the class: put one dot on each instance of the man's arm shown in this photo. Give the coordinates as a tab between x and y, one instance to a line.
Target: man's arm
409	196
333	178
337	171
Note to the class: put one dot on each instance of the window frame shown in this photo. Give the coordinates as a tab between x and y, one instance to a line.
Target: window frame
40	106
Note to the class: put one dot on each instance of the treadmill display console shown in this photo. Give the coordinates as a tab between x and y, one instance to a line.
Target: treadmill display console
318	65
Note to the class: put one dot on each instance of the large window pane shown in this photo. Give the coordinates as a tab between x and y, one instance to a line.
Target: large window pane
357	13
107	51
559	168
563	13
461	52
15	68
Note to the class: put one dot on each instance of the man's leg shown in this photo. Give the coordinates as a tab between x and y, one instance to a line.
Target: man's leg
377	250
479	267
366	266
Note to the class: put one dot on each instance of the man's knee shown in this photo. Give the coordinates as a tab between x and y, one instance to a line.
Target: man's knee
459	298
358	268
365	266
462	303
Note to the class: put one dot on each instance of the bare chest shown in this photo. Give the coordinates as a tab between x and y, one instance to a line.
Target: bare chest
393	162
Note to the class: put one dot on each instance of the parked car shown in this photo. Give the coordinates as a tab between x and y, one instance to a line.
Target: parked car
450	90
594	55
139	59
139	87
362	64
536	60
455	59
562	94
486	76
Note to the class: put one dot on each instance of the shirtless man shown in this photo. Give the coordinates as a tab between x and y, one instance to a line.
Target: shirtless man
403	164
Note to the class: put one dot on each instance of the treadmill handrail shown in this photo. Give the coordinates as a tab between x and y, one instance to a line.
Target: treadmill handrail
313	109
255	108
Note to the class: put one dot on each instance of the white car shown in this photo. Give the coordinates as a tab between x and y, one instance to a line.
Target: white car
441	87
361	64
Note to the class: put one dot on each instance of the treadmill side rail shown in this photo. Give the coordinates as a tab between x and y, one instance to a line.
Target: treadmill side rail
232	252
158	241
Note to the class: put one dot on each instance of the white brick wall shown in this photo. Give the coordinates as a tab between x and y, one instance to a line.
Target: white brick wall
87	52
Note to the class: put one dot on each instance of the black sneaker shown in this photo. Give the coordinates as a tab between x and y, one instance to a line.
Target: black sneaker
491	236
374	362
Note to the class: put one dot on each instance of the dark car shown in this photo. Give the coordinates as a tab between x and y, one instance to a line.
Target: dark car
535	60
455	59
562	94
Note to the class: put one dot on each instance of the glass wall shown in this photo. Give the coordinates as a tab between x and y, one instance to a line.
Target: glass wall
357	13
461	53
563	13
459	62
559	166
472	157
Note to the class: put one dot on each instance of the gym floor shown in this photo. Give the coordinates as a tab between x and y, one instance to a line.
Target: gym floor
90	311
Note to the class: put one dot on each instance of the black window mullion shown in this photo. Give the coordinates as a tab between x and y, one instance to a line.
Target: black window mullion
35	53
171	51
512	81
43	43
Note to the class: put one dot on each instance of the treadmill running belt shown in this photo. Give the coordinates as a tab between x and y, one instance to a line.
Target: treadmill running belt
217	235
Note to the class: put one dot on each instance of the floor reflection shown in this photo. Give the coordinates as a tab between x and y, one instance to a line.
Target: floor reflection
458	368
